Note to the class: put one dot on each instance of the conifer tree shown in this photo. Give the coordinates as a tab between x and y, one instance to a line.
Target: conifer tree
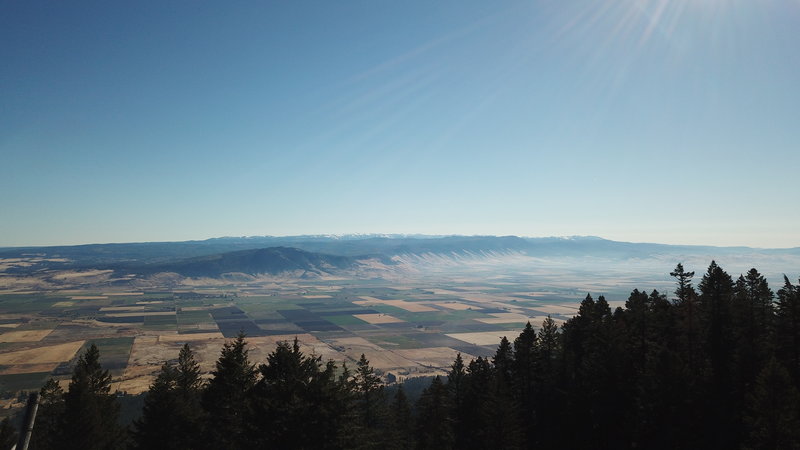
716	288
456	383
295	396
684	280
155	429
772	416
172	414
48	417
402	429
8	434
788	328
524	380
434	423
548	393
371	405
549	340
225	397
752	320
502	413
91	411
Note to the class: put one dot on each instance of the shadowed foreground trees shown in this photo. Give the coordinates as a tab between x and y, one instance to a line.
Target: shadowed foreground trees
716	367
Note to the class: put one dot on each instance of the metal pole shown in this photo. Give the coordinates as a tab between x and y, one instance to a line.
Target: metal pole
27	425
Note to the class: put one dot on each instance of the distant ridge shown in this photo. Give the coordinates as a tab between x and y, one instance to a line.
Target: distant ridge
273	260
260	254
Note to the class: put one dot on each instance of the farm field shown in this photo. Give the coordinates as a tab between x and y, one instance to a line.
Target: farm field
407	329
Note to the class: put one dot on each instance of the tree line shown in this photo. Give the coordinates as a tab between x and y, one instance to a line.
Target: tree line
716	366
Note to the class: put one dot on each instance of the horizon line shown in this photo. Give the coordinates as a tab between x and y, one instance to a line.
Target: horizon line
386	235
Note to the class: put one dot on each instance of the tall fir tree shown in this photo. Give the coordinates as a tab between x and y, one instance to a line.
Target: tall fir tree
684	290
172	413
91	412
48	418
772	416
788	328
225	397
371	406
8	434
434	423
524	377
155	428
402	430
294	396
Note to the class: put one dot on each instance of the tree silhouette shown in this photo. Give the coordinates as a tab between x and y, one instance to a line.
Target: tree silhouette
91	412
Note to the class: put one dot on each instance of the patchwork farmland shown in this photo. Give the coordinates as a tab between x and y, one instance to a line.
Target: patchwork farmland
405	330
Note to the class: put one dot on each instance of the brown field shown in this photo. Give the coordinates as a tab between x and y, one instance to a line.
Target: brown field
446	292
29	368
63	304
150	351
483	337
505	318
379	358
377	318
24	336
557	309
42	355
189	337
9	325
433	356
262	346
481	298
121	308
454	305
151	313
122	293
136	379
89	297
410	306
402	304
86	273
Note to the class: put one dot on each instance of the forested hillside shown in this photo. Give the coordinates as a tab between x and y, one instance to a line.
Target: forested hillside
716	365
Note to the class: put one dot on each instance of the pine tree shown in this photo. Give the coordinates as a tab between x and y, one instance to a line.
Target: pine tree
684	280
456	383
524	375
371	411
549	398
772	416
172	413
48	418
402	430
788	328
155	429
716	288
294	396
225	397
91	412
549	340
434	423
8	434
502	413
753	326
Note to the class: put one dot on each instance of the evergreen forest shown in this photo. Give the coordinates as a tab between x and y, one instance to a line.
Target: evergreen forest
714	364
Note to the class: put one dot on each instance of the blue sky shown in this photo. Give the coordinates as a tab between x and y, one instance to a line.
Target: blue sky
674	121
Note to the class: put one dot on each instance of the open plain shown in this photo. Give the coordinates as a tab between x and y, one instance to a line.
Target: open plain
407	329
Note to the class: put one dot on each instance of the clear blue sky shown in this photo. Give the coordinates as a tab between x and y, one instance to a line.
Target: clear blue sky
673	121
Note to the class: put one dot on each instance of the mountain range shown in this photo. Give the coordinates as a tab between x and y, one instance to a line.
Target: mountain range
328	253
